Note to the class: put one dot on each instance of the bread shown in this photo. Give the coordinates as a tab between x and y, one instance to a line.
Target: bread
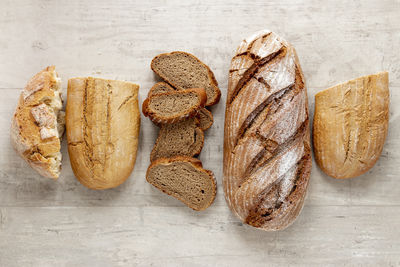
183	71
38	123
174	106
103	121
183	138
204	116
160	87
267	160
350	125
184	179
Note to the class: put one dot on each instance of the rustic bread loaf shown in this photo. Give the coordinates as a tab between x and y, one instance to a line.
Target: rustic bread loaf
103	121
174	106
204	116
185	179
38	123
183	138
267	160
183	71
350	125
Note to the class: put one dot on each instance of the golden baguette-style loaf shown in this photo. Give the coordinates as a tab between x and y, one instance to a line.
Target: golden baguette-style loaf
38	123
267	160
103	121
350	125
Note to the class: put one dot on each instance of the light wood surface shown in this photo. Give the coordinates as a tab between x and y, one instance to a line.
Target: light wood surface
47	223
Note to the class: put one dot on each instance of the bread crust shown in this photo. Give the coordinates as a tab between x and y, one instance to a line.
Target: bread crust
34	133
267	159
103	122
350	125
159	118
213	81
197	164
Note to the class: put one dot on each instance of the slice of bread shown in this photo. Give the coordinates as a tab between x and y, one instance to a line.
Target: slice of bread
174	106
160	87
204	116
183	138
185	179
183	71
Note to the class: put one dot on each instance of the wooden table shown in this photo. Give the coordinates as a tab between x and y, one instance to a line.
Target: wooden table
62	223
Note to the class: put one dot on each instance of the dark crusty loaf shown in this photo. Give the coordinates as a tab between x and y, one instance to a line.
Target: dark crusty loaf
185	179
204	116
174	106
267	159
183	71
183	138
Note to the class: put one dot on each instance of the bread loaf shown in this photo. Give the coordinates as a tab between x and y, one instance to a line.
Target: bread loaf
38	123
103	121
267	159
350	125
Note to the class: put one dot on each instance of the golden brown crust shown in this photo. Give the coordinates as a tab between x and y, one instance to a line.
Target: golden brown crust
267	160
197	164
350	125
34	132
214	83
159	118
103	122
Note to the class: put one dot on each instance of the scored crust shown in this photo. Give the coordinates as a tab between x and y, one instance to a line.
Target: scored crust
103	123
213	84
156	117
195	163
267	158
350	125
38	123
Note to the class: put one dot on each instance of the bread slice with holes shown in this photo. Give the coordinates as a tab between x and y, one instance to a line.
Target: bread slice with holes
185	179
204	116
183	71
38	123
183	138
174	106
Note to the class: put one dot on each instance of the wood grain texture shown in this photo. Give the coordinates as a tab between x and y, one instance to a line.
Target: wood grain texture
351	222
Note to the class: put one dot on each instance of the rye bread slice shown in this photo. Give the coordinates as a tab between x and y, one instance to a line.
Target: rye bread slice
174	106
183	71
183	138
160	87
204	116
185	179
